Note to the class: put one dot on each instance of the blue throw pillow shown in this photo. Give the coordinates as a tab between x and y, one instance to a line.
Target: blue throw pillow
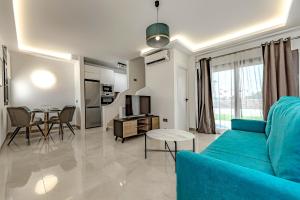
284	139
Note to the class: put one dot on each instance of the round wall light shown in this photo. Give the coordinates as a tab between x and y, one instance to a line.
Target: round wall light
43	79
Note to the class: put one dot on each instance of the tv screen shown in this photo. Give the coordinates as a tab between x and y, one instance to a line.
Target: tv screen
137	105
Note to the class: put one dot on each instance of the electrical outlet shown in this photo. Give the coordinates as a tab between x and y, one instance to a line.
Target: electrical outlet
165	120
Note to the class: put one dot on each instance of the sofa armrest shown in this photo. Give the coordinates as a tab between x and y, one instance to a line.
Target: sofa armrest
248	125
203	177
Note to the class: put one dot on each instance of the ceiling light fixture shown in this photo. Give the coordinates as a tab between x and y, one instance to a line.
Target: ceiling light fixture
21	44
157	34
276	22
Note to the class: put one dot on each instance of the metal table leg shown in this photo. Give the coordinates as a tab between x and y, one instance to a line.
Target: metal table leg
167	148
194	145
175	154
145	146
175	151
46	123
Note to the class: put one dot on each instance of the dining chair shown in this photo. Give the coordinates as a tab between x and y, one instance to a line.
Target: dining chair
20	117
64	117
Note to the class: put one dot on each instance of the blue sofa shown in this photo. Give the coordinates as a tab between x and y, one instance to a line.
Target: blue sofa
254	160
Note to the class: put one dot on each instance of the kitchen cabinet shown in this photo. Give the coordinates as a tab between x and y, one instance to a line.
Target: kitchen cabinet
105	76
120	82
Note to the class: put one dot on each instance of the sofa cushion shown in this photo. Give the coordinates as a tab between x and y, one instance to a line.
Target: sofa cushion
270	114
284	139
269	119
247	149
248	125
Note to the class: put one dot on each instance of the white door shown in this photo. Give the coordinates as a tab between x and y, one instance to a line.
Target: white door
181	122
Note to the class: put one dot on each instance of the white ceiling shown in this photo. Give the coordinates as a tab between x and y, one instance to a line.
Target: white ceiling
112	30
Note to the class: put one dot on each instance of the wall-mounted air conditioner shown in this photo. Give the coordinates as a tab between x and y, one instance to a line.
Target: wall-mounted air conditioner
157	57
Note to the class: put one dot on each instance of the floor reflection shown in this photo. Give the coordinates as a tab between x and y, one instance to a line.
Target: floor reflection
46	184
89	165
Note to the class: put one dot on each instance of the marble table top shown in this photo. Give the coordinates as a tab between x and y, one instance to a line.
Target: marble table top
170	135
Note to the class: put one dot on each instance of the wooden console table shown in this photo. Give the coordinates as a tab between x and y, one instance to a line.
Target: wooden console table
133	126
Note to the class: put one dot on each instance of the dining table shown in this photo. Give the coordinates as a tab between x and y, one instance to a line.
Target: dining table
46	112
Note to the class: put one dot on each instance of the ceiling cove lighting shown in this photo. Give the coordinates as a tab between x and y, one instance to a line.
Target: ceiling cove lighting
274	23
157	34
20	38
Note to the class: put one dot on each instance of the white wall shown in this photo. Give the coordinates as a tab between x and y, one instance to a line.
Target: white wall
136	74
26	92
160	80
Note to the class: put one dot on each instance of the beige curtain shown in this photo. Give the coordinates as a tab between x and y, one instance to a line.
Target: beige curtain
295	55
206	119
280	77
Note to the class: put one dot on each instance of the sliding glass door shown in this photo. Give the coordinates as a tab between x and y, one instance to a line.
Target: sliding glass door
223	93
237	89
250	92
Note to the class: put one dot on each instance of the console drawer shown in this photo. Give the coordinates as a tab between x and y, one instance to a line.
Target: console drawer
129	128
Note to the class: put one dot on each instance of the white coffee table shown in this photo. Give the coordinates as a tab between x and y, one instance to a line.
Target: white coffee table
169	135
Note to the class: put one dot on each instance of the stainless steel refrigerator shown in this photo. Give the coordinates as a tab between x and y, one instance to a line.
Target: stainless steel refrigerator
92	103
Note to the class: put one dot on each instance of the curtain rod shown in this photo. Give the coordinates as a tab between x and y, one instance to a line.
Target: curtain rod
293	38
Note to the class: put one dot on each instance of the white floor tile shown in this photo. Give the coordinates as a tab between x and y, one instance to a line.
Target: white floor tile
90	165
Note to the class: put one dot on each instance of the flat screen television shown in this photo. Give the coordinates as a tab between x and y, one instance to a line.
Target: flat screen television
137	105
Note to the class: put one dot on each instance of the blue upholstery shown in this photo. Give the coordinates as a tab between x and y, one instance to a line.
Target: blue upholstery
269	119
248	125
247	162
284	139
247	149
202	177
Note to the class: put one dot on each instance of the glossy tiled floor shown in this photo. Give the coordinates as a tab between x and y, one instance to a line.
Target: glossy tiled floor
90	165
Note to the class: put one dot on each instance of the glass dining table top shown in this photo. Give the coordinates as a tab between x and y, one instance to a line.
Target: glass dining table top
45	110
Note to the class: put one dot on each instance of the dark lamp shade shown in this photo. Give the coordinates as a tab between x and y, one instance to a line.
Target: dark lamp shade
157	35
